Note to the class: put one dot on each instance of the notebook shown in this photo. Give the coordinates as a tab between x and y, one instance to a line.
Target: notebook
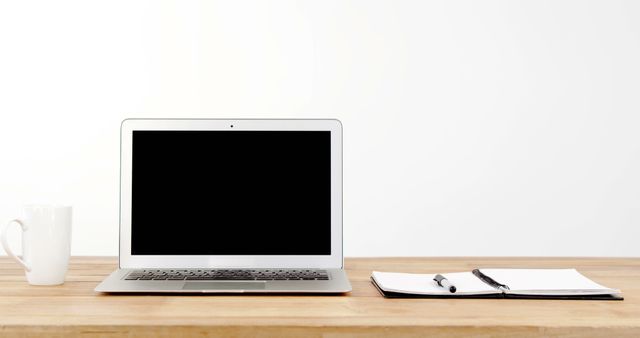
496	283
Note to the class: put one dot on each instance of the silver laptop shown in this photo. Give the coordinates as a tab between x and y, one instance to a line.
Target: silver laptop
230	206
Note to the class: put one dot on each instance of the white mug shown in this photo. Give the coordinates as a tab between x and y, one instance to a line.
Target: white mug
46	243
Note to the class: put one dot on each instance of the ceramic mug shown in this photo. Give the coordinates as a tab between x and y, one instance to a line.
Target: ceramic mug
46	243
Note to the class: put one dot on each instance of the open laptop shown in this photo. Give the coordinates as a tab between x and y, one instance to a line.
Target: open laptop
230	206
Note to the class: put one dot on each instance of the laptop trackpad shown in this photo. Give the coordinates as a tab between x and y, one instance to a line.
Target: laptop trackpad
223	286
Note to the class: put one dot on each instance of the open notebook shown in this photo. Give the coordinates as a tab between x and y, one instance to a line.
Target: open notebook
496	283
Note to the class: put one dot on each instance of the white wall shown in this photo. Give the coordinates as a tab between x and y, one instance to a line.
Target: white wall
471	127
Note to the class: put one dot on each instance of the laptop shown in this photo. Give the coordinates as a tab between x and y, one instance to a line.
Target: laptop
230	206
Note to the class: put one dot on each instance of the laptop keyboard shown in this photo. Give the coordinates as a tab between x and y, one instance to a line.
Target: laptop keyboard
231	274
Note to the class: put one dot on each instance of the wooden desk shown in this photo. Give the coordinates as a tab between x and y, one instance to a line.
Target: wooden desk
74	309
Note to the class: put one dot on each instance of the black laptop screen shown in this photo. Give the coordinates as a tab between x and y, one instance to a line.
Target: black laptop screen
231	193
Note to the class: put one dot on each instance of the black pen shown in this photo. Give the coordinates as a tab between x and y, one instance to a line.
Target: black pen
443	282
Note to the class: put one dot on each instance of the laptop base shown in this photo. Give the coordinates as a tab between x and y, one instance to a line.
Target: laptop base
338	283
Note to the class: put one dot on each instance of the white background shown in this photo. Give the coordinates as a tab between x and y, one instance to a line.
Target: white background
470	127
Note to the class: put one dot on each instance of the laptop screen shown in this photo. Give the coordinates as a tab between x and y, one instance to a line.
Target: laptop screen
231	193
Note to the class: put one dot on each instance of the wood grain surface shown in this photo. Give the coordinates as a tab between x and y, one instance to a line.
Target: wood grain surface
74	309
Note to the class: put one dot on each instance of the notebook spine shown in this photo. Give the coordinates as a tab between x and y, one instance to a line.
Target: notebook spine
489	280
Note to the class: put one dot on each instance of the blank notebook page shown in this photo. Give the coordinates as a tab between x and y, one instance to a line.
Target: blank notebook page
413	283
546	281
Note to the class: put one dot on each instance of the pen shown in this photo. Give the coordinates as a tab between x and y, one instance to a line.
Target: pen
443	282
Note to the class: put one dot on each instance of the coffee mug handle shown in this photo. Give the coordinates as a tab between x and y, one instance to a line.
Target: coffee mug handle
5	244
